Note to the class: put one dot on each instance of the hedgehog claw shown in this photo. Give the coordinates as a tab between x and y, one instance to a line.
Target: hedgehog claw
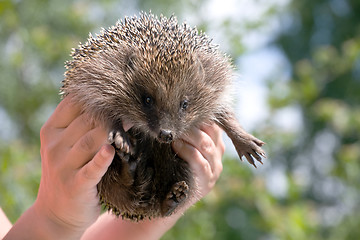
250	147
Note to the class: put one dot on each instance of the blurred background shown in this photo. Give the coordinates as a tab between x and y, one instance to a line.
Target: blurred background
297	87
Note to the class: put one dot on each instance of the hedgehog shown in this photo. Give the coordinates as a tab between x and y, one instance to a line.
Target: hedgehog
150	80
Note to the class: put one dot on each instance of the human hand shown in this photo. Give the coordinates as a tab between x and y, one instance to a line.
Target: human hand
74	157
202	148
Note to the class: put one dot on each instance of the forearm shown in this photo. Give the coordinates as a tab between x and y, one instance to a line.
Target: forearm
35	225
110	227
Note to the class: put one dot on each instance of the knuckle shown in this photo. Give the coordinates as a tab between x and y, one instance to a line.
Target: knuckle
87	120
194	153
221	167
44	132
206	147
87	143
93	170
222	148
211	184
205	167
44	153
49	147
218	170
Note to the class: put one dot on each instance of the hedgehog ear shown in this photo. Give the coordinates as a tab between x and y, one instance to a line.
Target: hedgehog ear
130	61
199	68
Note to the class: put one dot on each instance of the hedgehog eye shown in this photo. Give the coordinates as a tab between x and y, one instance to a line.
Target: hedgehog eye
184	104
148	101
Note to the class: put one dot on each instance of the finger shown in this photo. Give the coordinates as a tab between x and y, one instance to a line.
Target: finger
92	172
211	130
203	143
77	128
215	157
215	133
64	113
86	147
199	165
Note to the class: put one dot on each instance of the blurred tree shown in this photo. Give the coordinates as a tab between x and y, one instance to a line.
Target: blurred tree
322	43
35	40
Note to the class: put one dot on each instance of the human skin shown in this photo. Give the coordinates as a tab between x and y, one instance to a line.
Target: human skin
5	224
75	155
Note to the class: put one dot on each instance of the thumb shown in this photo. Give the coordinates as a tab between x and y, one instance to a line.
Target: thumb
95	169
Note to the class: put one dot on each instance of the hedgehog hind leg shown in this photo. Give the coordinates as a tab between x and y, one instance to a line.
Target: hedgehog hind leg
245	144
177	194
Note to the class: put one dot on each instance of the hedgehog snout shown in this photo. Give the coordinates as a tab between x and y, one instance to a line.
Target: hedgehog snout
165	136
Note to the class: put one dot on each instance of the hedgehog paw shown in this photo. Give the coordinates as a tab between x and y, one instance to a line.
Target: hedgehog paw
250	147
178	193
121	141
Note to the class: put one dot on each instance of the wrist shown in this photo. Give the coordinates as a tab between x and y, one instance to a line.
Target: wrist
51	226
33	224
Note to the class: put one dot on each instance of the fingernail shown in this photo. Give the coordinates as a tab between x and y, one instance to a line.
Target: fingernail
106	151
127	125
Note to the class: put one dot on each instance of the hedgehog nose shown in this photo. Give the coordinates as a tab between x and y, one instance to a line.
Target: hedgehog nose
165	136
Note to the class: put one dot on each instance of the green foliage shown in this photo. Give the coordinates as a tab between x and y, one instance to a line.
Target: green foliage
318	160
35	40
19	178
324	52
